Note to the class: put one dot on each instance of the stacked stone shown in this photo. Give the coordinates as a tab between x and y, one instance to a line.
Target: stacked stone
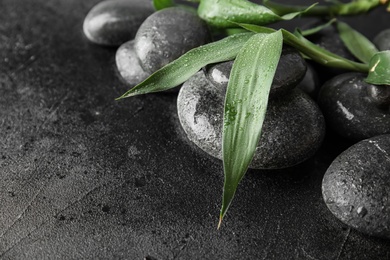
293	129
148	40
356	186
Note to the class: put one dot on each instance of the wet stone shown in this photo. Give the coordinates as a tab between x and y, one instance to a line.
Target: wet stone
168	34
382	40
128	64
310	84
352	109
290	71
356	186
114	22
292	131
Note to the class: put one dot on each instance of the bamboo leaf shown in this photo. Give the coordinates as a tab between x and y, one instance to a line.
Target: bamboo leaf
379	72
337	8
227	13
178	71
245	107
318	28
161	4
309	49
357	44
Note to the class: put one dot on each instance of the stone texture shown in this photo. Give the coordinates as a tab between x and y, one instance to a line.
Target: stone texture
292	132
113	22
350	110
128	64
382	40
356	186
290	71
166	35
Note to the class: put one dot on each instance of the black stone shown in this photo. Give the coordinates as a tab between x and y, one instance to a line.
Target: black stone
168	34
292	132
382	40
128	64
310	84
113	22
351	110
356	186
290	71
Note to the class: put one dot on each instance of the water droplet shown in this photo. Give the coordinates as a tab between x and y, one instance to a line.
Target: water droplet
362	211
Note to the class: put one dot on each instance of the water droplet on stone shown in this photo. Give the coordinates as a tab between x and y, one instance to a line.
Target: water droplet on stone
362	211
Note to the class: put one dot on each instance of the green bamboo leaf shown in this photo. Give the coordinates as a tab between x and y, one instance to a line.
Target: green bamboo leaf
379	72
226	13
356	43
178	71
318	28
337	8
245	107
161	4
311	50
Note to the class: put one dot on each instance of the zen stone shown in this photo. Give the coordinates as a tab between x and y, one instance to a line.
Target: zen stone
292	131
128	64
114	22
382	40
310	84
355	109
356	186
168	34
290	71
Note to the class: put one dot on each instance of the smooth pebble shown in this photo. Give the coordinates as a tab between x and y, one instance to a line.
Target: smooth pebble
292	132
353	109
128	64
113	22
356	186
382	40
168	34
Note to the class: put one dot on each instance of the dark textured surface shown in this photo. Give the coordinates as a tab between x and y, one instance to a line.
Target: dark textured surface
85	177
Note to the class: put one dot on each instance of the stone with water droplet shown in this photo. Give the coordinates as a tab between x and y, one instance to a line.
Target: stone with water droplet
292	132
113	22
290	71
128	64
364	201
171	32
352	109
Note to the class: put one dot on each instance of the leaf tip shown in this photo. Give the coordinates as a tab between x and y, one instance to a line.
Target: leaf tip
121	97
220	222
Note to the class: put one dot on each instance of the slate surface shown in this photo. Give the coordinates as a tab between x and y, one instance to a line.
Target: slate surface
86	177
